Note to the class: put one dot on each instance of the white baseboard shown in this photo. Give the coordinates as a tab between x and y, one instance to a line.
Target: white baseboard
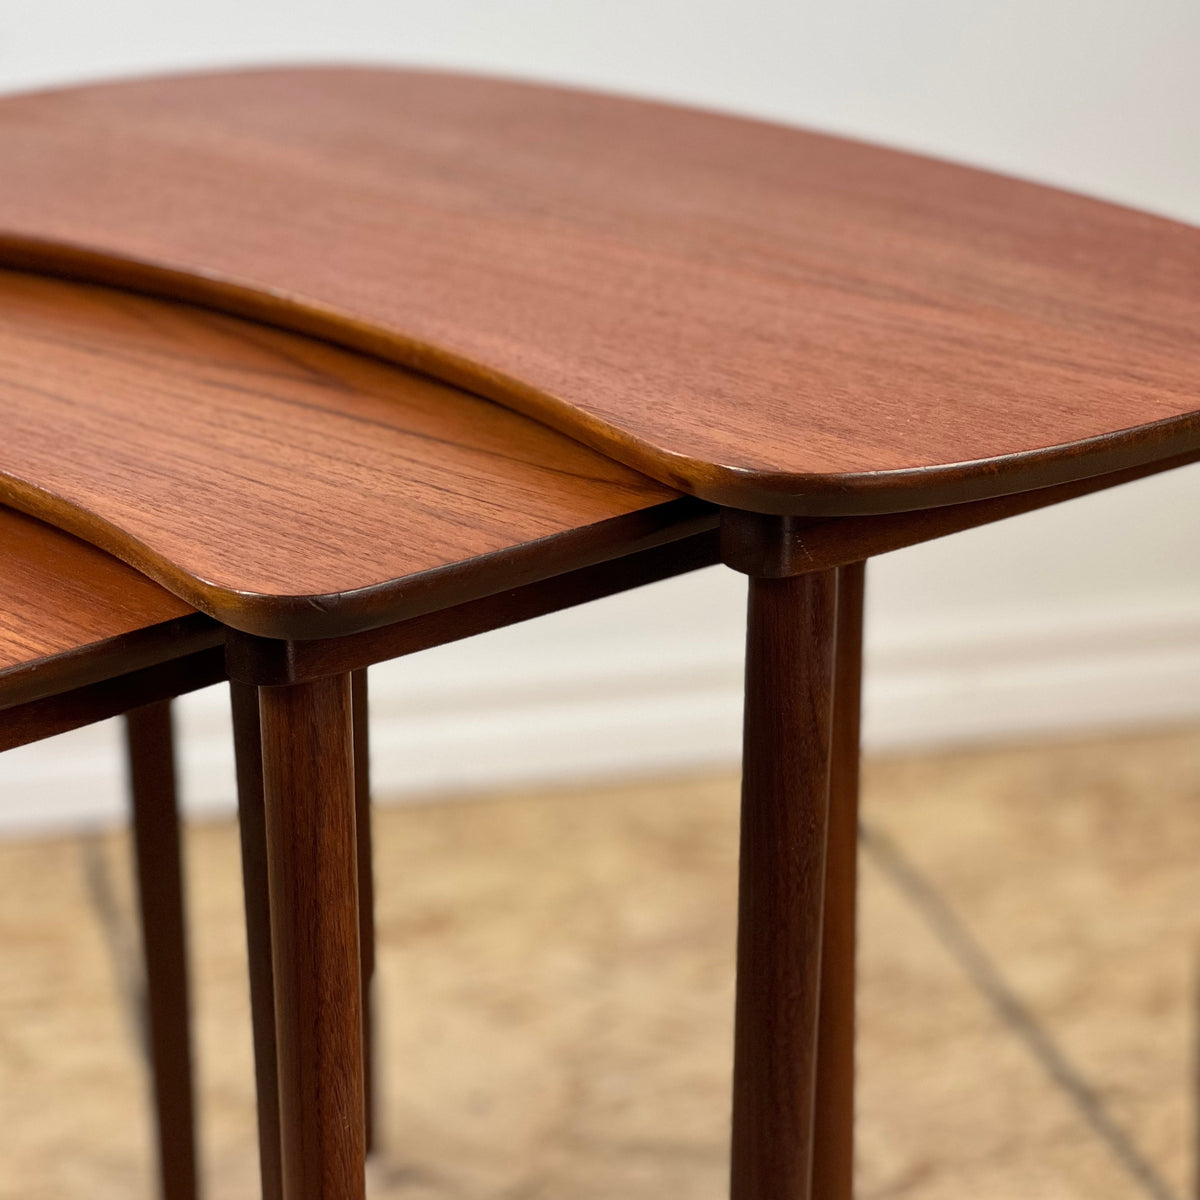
599	694
1037	672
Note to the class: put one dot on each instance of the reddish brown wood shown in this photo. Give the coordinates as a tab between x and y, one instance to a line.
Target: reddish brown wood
308	775
70	615
366	888
777	546
773	319
270	662
85	705
284	486
833	1129
247	744
769	319
785	794
158	859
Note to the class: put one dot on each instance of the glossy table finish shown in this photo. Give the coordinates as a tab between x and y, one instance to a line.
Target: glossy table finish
283	486
828	350
84	637
765	317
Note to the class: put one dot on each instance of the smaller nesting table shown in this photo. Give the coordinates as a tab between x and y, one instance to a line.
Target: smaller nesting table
83	637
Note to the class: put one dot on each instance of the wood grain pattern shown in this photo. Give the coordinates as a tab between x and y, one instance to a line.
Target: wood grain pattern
158	858
71	615
772	319
781	882
360	709
256	896
833	1116
308	784
286	487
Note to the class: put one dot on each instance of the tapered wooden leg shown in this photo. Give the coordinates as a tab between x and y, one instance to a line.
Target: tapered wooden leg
785	794
252	819
247	742
160	894
308	776
366	891
833	1137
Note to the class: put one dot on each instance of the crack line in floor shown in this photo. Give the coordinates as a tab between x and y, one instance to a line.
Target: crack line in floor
983	973
124	946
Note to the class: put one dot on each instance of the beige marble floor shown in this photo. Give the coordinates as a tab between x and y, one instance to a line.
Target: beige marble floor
556	985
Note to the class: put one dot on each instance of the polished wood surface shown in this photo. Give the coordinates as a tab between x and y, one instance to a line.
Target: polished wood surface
158	860
833	1118
268	662
773	546
868	347
286	487
71	615
252	831
781	883
308	784
360	707
772	319
109	697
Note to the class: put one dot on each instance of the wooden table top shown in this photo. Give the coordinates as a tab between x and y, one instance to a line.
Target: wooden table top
285	486
770	319
70	614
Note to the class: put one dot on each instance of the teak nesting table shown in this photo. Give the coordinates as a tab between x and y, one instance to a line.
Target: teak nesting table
84	637
356	362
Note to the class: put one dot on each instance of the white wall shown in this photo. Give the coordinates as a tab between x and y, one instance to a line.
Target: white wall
1082	615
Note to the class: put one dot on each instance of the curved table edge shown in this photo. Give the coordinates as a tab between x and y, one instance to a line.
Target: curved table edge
774	493
336	614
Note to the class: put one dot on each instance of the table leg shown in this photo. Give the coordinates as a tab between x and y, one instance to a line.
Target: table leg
308	777
785	794
366	891
833	1136
151	757
247	742
247	736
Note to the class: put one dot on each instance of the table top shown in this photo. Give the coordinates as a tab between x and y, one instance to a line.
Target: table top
70	614
285	486
767	318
